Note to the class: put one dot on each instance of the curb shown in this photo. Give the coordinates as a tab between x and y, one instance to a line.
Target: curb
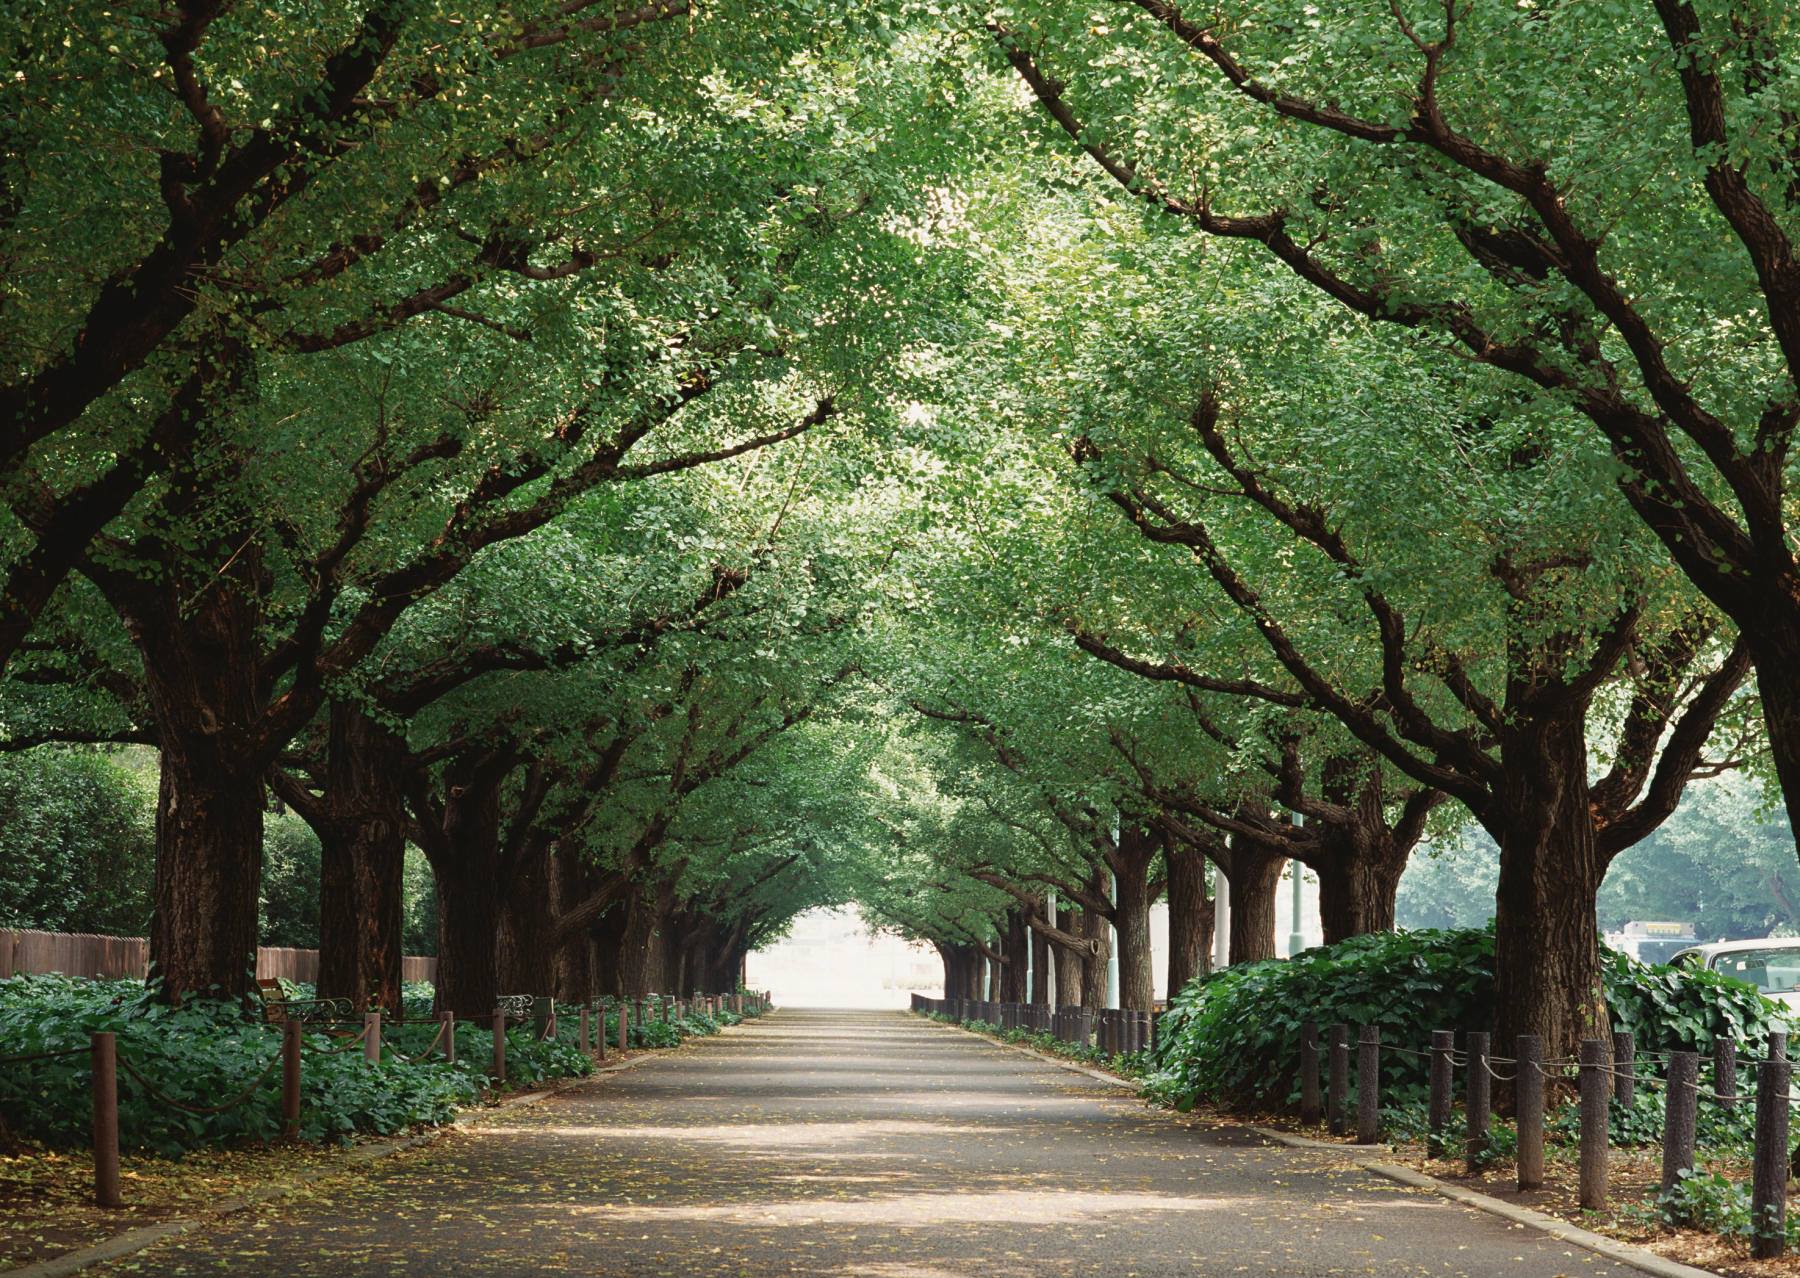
1561	1230
133	1240
1558	1229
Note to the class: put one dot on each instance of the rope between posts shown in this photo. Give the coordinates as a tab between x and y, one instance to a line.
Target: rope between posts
172	1103
1486	1064
430	1047
350	1043
44	1056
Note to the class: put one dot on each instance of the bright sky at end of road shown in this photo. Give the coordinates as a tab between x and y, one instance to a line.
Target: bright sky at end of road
830	959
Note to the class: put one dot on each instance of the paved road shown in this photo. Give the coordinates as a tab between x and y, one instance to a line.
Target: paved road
860	1143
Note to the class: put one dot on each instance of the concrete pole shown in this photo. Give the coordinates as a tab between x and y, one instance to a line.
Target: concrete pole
1112	956
1221	920
1297	902
1050	975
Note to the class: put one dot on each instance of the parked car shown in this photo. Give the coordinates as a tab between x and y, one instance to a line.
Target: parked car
1771	964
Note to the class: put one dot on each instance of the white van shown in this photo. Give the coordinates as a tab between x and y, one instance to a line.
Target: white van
1771	964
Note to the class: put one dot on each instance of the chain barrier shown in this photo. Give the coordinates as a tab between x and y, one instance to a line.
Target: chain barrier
206	1110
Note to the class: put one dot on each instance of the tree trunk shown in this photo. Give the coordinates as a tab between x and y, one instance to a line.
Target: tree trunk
1040	969
201	655
1014	971
361	826
643	950
1190	916
1357	885
1546	935
1255	876
523	953
1071	967
1093	972
1774	644
465	858
1131	917
575	961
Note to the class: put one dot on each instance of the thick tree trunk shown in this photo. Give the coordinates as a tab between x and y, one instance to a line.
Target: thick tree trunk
643	950
1358	882
1071	967
465	858
1017	946
1190	916
609	934
362	842
201	655
1040	968
1774	644
575	962
1546	936
1131	917
1255	876
1093	971
523	953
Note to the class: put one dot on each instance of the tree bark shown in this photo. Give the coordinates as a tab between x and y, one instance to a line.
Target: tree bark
360	818
1040	969
1131	916
1017	946
1093	971
199	642
465	859
1357	887
1255	876
1546	935
1190	916
1071	967
523	952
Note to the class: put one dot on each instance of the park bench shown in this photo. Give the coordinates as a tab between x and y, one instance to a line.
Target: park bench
277	1007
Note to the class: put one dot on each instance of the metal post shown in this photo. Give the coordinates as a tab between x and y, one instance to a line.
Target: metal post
290	1079
1768	1189
1725	1071
103	1051
1368	1086
1297	902
1337	1093
1528	1105
1594	1093
449	1020
1624	1067
372	1037
1310	1100
1437	1109
1478	1099
1681	1101
498	1068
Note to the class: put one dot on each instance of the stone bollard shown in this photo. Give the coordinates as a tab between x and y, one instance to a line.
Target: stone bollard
1681	1104
624	1028
1725	1072
449	1031
1624	1067
372	1038
498	1066
581	1032
1337	1093
1478	1099
1437	1108
1528	1105
1768	1188
1368	1086
1594	1095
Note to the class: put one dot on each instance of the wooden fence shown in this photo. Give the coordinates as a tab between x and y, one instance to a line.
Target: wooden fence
84	954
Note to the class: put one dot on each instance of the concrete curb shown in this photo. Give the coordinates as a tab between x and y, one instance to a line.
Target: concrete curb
137	1239
1561	1230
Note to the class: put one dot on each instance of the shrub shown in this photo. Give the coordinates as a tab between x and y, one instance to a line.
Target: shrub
1234	1036
206	1052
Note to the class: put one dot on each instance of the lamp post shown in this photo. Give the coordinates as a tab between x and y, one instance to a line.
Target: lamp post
1296	933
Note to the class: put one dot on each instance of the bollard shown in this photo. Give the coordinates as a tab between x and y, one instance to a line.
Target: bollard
1528	1107
103	1052
1594	1093
290	1079
1681	1103
1337	1095
600	1036
1443	1080
1768	1187
1311	1103
1478	1100
449	1020
624	1028
1368	1086
581	1032
372	1038
498	1068
1624	1067
1725	1072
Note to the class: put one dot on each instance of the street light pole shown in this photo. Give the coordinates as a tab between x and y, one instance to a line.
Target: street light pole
1296	933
